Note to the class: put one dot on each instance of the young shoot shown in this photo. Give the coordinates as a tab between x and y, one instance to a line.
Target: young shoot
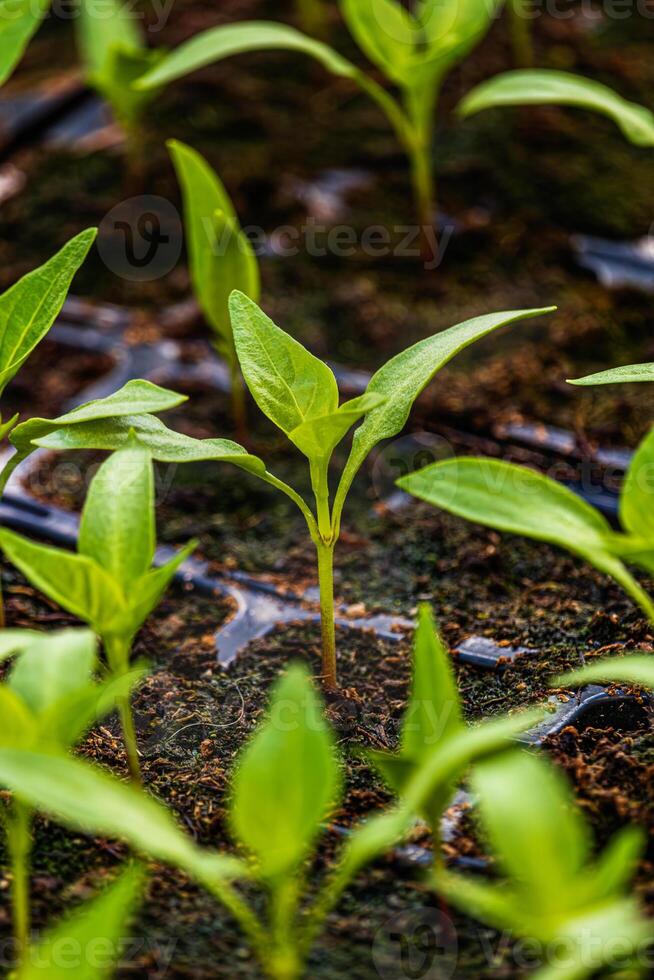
109	583
99	924
48	702
575	907
114	55
414	49
521	501
221	259
434	722
286	784
546	87
18	24
299	394
636	670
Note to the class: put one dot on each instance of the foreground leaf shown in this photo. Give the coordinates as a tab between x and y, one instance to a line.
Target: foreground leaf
85	798
93	935
638	670
543	87
53	667
30	307
287	778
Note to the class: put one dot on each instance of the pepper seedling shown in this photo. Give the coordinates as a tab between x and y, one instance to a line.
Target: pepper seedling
521	501
434	722
48	702
547	87
414	51
114	55
286	783
575	908
18	23
95	934
299	394
221	259
110	583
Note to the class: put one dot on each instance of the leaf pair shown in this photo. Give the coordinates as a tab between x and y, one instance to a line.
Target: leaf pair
521	501
109	583
519	88
555	893
115	55
50	697
433	725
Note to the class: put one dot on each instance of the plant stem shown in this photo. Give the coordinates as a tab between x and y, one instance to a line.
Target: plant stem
521	35
424	189
19	841
118	650
325	554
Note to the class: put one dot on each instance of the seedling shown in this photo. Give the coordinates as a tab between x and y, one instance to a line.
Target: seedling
95	934
520	501
543	87
110	583
221	259
573	907
434	722
114	54
414	51
19	21
286	784
48	702
299	394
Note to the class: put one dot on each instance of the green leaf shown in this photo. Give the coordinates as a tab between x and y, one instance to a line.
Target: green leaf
30	307
116	83
146	593
617	864
402	379
87	799
19	20
54	667
134	398
165	445
223	42
637	669
103	28
220	256
14	641
286	780
117	529
318	438
18	725
535	829
637	496
621	375
75	582
542	87
92	935
386	32
521	501
451	28
434	713
484	901
288	383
